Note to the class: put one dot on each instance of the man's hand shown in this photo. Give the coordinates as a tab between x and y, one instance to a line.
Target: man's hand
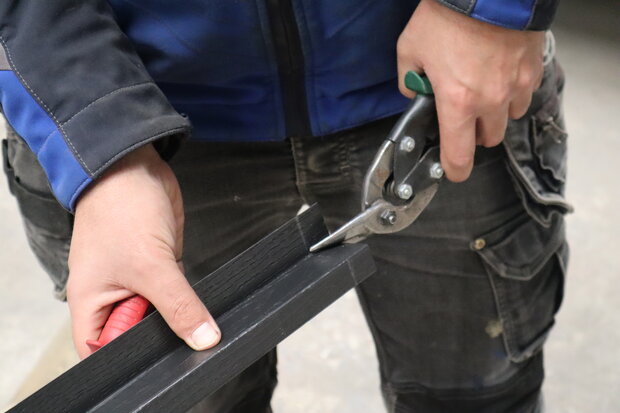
481	75
128	239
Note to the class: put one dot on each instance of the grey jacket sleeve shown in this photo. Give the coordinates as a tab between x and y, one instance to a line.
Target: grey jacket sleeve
73	87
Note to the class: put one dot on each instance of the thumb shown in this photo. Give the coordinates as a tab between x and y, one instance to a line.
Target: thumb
179	305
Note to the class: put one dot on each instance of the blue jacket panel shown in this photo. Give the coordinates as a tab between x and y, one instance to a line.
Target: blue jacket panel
215	61
350	55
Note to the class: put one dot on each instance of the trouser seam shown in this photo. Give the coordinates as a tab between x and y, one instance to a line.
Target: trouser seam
300	176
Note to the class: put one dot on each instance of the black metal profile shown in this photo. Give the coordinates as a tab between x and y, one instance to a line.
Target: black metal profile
258	298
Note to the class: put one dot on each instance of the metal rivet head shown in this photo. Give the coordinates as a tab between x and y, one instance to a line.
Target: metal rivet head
407	144
404	191
388	217
436	171
479	244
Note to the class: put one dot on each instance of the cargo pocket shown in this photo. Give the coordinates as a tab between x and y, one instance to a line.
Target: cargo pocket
536	146
525	263
47	224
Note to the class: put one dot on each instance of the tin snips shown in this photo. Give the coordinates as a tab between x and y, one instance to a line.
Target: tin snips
404	175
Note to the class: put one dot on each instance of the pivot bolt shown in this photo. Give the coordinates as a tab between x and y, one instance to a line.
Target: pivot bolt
407	144
404	191
388	217
436	171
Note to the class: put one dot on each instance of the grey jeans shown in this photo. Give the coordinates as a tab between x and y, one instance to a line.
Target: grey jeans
463	299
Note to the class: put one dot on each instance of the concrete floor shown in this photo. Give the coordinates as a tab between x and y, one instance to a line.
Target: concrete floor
329	364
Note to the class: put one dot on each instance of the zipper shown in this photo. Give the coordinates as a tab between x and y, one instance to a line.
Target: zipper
289	55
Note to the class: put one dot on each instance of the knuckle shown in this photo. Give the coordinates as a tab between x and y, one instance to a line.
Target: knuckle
497	97
518	113
527	79
461	98
525	82
181	313
460	162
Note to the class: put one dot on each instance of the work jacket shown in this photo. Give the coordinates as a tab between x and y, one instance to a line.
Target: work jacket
86	81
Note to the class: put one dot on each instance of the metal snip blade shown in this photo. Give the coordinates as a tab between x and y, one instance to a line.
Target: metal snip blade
353	231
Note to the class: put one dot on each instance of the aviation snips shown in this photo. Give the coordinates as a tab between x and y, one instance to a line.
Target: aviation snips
404	175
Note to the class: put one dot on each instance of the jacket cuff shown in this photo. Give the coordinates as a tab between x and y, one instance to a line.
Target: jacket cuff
511	14
118	123
75	152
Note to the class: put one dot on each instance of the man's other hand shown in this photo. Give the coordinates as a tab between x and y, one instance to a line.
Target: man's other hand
128	239
481	75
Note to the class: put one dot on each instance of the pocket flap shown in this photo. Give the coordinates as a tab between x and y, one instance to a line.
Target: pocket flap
520	249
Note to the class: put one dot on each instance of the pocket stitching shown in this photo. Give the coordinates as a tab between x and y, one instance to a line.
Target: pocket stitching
550	199
530	269
509	330
510	333
539	138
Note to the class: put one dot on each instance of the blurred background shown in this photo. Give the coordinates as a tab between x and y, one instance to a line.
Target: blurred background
329	365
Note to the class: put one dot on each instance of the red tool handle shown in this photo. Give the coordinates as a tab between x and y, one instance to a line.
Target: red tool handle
125	315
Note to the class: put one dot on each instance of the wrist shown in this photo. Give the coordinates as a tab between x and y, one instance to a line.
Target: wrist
142	156
143	161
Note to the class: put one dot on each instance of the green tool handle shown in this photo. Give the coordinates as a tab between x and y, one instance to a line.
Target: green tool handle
418	83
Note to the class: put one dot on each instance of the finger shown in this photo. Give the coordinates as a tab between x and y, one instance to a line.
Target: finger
89	314
178	303
520	104
86	324
402	72
406	64
491	127
457	130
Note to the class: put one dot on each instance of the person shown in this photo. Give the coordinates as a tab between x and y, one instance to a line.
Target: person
289	100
